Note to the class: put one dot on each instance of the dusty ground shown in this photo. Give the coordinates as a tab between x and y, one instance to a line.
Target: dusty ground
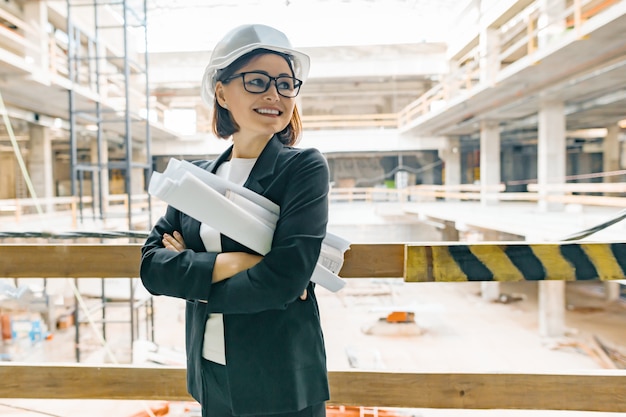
455	331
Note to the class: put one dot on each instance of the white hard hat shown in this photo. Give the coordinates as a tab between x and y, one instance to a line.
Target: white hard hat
243	39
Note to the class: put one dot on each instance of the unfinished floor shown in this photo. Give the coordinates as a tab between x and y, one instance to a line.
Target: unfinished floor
455	330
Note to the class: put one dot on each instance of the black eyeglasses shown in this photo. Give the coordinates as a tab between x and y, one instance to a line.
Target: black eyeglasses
259	82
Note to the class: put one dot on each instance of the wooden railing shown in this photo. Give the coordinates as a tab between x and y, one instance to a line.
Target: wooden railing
593	390
62	206
18	206
568	193
331	121
559	193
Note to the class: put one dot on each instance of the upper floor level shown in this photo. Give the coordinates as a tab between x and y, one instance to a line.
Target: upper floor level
501	60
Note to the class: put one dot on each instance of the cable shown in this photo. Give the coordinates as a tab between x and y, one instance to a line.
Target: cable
588	232
573	177
76	234
31	410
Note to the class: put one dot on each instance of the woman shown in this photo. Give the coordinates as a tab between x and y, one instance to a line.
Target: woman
253	335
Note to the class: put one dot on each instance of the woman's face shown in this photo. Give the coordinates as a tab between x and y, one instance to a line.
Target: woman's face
258	114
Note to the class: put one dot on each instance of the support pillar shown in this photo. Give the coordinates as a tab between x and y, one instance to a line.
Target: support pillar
40	165
449	233
508	165
100	177
551	150
551	308
489	50
36	16
611	152
490	290
612	291
427	158
451	155
489	162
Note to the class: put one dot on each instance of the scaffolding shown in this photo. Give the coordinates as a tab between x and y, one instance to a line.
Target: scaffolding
112	106
109	128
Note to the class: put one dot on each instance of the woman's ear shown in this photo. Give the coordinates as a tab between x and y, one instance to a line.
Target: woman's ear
219	95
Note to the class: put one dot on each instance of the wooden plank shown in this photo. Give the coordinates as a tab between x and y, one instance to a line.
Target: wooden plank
111	261
79	381
374	389
374	261
480	391
516	262
428	262
70	261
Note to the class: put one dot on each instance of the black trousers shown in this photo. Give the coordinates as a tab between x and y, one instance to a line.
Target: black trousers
217	403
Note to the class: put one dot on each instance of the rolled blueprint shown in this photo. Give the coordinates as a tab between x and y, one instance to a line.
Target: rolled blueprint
239	213
216	210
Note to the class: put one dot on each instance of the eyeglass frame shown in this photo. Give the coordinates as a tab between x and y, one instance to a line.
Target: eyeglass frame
275	79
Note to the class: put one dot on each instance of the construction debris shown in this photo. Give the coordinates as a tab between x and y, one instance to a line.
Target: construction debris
606	357
617	356
509	298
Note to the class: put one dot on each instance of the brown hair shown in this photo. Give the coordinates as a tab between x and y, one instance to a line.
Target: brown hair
224	126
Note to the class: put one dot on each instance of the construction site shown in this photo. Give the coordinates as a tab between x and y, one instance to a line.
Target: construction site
478	171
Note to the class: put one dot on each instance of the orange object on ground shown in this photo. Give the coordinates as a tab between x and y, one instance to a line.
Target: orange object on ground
401	317
5	327
159	409
356	411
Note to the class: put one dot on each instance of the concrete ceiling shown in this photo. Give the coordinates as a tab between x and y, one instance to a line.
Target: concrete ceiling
588	73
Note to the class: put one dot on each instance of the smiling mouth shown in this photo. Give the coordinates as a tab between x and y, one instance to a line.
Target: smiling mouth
269	112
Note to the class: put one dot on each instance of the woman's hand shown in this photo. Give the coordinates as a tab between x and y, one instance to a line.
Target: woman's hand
174	242
228	264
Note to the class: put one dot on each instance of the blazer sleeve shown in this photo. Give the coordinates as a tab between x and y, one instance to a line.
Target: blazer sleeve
284	273
185	274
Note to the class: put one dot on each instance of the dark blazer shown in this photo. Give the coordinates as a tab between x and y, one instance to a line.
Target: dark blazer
275	353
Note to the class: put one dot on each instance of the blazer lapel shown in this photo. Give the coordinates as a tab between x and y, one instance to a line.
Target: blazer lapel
265	166
212	166
193	226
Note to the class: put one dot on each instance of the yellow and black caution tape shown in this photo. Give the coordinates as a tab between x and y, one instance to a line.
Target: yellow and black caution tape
515	262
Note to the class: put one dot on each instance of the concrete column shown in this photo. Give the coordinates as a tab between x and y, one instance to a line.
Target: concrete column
551	22
551	308
611	152
551	150
36	15
449	233
508	165
101	182
427	158
489	162
489	50
451	155
138	185
612	291
490	290
40	164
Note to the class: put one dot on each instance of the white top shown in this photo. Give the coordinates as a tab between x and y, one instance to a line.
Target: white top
237	171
